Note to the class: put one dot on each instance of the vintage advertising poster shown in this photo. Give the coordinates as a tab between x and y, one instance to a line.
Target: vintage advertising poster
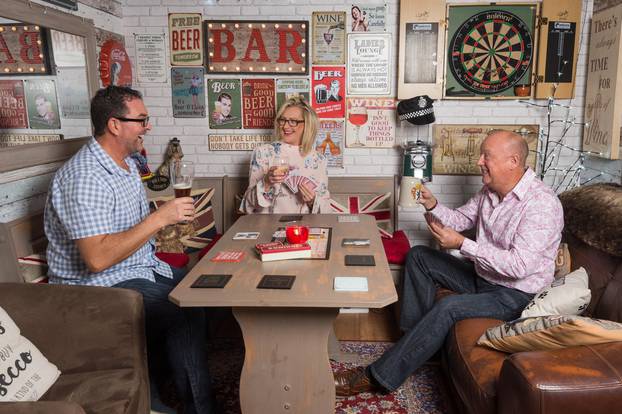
366	18
371	122
12	140
115	67
185	32
257	46
329	141
369	64
287	88
328	89
456	147
258	103
42	104
23	49
68	49
188	93
603	100
329	38
150	58
73	93
237	142
12	105
223	96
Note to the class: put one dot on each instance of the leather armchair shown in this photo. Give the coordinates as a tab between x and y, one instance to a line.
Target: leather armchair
94	335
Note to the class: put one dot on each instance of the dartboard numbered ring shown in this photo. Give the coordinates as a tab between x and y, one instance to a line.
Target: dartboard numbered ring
490	52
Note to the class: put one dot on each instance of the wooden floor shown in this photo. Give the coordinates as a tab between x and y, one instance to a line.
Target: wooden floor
376	325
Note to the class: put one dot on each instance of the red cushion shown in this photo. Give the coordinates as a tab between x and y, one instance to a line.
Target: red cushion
211	244
174	259
396	248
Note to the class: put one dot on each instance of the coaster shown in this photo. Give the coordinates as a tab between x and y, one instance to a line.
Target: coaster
276	282
211	281
360	260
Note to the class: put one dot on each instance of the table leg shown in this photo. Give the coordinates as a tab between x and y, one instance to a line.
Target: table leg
286	367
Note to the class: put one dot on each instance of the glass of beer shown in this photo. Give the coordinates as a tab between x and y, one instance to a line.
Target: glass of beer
182	174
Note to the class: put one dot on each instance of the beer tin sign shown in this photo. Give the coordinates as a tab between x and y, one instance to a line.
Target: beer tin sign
225	108
258	103
188	94
328	86
12	104
186	39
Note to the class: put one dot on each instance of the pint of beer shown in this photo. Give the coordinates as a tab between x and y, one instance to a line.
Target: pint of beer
182	174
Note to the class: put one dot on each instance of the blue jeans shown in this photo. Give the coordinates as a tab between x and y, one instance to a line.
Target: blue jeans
427	322
176	335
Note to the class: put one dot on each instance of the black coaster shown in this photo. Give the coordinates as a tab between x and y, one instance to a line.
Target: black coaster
276	282
285	219
360	260
211	281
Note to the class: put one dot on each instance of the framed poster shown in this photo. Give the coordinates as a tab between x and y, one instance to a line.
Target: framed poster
257	46
12	140
12	105
188	93
369	64
329	38
456	147
328	91
370	122
150	58
68	49
421	43
42	104
73	94
258	103
367	18
329	141
24	50
223	96
490	51
185	31
237	142
603	99
287	88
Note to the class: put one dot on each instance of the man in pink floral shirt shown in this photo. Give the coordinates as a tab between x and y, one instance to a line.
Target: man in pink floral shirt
518	222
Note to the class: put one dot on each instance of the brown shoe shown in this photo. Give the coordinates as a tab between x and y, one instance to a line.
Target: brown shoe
352	382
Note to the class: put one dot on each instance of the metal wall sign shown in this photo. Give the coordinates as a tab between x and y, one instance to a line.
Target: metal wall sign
369	64
329	38
237	142
287	88
186	39
328	83
188	93
329	141
42	104
258	103
12	104
68	49
73	93
225	103
12	140
23	50
150	58
367	18
370	122
257	46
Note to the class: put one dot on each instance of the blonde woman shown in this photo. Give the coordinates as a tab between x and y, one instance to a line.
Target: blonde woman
292	154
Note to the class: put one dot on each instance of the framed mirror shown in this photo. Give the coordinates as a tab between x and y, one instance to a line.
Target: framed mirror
48	72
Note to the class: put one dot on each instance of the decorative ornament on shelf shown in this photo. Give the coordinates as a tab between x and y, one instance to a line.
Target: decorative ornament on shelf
162	178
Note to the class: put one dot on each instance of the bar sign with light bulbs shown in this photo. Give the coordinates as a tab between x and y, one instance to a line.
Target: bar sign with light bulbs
23	50
257	47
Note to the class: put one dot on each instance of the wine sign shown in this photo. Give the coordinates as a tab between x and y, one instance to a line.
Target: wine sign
329	38
370	122
328	91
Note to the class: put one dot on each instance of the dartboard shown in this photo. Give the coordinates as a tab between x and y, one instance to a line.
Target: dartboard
490	52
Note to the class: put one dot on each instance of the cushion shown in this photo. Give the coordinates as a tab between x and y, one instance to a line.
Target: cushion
33	268
550	332
25	372
568	295
174	259
189	237
396	248
376	205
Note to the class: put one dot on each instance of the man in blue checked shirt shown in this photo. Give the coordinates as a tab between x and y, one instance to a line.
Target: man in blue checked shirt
100	233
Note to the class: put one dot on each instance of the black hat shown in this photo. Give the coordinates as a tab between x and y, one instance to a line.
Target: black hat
417	110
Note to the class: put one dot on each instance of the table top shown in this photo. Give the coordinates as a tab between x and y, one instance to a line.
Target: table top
313	286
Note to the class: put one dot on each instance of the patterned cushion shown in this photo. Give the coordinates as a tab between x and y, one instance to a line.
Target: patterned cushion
193	236
377	205
33	268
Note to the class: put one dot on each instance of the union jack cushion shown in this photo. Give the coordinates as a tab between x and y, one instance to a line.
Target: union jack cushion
377	205
193	236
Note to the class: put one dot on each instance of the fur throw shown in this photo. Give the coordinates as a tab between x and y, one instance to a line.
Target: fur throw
593	214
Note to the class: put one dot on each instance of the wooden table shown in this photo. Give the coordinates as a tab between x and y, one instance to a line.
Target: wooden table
286	366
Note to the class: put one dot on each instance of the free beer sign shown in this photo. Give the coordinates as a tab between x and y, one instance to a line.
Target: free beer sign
186	39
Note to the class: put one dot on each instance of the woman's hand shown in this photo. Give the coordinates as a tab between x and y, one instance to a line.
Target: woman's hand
308	195
274	176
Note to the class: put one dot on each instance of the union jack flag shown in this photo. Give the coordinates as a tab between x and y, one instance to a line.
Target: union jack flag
376	205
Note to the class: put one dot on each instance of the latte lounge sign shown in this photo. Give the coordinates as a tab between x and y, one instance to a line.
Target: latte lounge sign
252	47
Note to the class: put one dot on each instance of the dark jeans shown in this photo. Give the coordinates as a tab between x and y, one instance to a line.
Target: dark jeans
176	335
427	322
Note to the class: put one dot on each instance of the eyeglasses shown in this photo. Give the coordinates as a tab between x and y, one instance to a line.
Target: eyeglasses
143	121
290	122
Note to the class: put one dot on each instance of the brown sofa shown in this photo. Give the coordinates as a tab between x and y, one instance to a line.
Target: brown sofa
94	335
581	379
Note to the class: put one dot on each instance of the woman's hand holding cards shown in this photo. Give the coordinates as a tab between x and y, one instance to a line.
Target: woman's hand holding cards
307	194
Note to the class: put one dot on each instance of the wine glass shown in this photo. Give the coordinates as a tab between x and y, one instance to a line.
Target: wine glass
358	117
182	174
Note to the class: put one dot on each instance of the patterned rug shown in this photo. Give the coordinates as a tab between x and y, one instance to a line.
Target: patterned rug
422	393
